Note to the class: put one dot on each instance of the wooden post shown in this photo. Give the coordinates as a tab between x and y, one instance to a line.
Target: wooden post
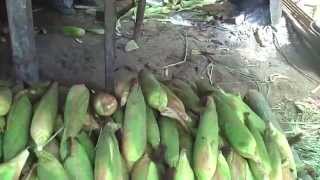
139	19
22	40
275	11
110	20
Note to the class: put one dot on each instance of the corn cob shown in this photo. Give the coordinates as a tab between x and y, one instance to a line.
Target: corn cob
284	149
1	146
118	116
75	111
49	168
145	169
87	144
108	161
155	95
184	91
124	76
238	135
183	169
11	170
77	164
73	31
241	109
262	167
2	129
35	92
53	148
170	140
223	170
75	114
105	104
153	132
43	121
249	174
259	104
204	87
205	153
175	108
186	142
5	100
90	123
275	157
134	138
238	166
16	135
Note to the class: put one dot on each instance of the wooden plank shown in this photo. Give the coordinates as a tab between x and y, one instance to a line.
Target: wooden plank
110	20
139	19
22	40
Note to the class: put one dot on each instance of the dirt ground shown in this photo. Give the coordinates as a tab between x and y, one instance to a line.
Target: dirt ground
231	53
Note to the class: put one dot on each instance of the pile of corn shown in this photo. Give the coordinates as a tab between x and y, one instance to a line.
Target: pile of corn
147	130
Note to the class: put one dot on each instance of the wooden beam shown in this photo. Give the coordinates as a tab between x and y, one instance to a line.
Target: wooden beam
22	40
110	20
139	19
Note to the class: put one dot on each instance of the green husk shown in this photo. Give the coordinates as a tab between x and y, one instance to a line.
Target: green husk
237	134
90	123
170	140
5	100
186	142
16	135
205	153
175	109
183	169
238	166
75	113
43	121
123	79
145	169
223	169
275	157
259	104
204	87
153	132
49	168
11	170
134	138
87	144
73	31
262	167
155	95
108	161
284	149
241	108
118	116
184	91
77	164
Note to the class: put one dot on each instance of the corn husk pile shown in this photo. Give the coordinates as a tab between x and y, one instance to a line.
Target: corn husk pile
145	129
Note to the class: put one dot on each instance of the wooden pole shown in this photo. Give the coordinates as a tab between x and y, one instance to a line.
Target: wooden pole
139	19
110	20
22	40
